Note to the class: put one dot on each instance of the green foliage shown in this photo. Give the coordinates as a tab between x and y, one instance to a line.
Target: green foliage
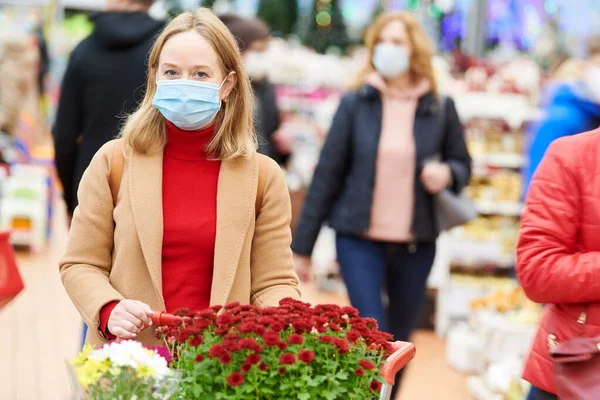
280	15
321	36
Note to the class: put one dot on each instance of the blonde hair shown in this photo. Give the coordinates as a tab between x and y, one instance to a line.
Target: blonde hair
422	51
234	134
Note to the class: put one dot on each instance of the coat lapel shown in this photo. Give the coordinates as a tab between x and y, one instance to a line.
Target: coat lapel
146	202
236	194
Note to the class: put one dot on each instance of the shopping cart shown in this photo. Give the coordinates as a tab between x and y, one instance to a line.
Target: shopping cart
403	352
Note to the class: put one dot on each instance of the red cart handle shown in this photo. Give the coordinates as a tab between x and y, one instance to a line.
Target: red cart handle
403	353
161	318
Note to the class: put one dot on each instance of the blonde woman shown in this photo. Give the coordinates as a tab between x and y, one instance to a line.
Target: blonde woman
376	177
184	232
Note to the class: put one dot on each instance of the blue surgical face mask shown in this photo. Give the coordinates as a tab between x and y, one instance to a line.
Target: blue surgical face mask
189	105
391	60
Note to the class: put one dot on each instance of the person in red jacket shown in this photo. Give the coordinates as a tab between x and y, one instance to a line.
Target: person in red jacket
558	254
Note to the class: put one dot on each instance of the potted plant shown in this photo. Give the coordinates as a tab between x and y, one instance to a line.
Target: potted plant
293	351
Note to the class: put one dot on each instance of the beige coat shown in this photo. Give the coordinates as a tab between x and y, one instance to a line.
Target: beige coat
115	253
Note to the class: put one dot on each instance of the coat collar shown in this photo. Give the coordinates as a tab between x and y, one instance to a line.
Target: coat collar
235	209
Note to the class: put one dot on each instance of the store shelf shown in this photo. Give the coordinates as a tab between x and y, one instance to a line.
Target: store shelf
500	160
509	209
515	109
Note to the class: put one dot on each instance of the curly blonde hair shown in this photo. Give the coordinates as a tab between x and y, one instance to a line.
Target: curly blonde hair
422	51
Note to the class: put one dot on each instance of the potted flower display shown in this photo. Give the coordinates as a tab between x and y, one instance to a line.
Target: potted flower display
123	371
294	351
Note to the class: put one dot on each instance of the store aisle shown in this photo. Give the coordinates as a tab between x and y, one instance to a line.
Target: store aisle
41	329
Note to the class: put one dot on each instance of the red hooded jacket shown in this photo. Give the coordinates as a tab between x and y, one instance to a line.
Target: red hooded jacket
558	254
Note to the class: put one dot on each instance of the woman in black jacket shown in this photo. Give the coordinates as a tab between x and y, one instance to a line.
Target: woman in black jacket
390	149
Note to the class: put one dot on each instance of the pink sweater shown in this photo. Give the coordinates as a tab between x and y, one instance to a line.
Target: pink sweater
393	194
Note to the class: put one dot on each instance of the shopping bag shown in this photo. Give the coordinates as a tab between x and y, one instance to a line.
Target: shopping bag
11	283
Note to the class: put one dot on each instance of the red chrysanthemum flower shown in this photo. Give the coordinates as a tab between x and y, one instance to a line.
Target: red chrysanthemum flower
271	338
246	368
202	324
183	336
181	312
366	364
222	331
342	346
376	386
276	326
263	367
281	371
196	341
296	339
216	309
247	343
253	359
231	336
247	327
232	305
225	358
216	351
224	319
259	330
326	339
334	327
351	312
199	358
360	372
208	313
287	359
353	336
306	356
282	345
230	345
235	379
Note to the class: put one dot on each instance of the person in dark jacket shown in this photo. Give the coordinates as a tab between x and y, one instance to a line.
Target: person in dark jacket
376	178
103	82
253	37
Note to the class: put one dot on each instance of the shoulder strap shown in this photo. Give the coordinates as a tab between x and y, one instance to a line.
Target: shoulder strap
442	100
116	170
262	173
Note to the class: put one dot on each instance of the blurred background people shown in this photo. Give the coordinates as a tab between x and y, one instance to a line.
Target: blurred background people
253	37
574	105
103	83
376	176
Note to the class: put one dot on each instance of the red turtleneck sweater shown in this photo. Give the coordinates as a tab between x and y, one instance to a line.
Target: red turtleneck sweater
189	222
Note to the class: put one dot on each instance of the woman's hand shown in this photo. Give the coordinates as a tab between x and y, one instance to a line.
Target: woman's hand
436	177
303	267
128	318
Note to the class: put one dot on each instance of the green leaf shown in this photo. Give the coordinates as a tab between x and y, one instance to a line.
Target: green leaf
342	375
303	396
330	395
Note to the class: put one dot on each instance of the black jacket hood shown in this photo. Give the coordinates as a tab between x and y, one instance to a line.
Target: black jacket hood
124	29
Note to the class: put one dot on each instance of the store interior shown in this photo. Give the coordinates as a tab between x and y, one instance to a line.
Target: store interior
477	324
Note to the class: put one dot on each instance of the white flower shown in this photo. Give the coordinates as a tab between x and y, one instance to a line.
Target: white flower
132	354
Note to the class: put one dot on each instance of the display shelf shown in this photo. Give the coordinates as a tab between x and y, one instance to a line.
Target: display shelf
514	109
505	208
500	160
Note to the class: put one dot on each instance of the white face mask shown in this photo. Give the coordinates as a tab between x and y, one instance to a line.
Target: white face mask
391	60
256	65
592	80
